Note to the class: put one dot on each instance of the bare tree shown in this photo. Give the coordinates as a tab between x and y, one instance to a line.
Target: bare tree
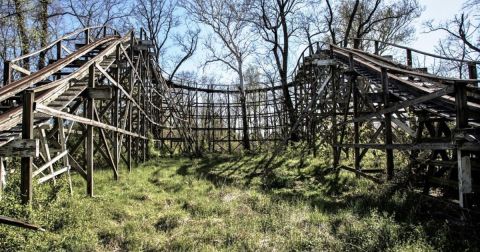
159	20
99	12
462	27
22	30
188	43
375	19
277	25
228	21
462	40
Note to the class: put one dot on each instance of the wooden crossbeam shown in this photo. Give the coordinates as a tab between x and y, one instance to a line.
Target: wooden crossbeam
21	148
60	114
49	163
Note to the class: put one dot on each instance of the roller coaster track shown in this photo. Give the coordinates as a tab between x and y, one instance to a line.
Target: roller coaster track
102	98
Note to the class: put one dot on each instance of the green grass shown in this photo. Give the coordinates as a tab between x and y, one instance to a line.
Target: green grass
228	203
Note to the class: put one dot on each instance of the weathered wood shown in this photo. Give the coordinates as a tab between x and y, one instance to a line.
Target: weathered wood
53	175
388	124
46	149
63	145
26	189
83	120
100	93
21	148
89	140
362	174
49	163
20	69
18	223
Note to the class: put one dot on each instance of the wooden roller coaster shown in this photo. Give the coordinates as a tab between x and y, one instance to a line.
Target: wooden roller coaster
102	95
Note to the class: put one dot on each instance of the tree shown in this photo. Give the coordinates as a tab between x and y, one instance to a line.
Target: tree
228	21
22	30
277	25
99	12
462	40
388	21
159	20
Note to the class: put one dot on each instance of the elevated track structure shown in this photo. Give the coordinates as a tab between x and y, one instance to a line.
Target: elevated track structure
101	97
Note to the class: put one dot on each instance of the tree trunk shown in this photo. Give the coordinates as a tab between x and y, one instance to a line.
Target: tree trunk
246	138
292	115
43	21
22	30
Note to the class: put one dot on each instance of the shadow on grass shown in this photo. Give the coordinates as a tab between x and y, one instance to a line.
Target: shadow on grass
325	189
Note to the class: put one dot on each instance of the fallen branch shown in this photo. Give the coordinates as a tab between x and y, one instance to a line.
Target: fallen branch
372	178
19	223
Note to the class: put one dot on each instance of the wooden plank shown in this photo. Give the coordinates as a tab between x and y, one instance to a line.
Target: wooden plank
90	112
26	189
53	175
77	167
60	114
358	172
63	145
46	150
20	69
388	124
21	148
2	176
46	165
18	223
100	93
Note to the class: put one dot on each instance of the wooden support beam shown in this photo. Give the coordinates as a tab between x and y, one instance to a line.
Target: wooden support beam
388	124
463	157
49	163
19	223
53	175
100	93
7	73
89	140
63	146
356	126
21	148
26	189
116	97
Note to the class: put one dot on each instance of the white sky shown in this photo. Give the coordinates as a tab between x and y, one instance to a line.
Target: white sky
437	10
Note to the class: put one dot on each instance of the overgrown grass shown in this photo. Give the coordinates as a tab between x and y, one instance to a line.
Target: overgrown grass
227	203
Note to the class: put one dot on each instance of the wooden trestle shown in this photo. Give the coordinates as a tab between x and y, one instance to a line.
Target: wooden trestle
102	97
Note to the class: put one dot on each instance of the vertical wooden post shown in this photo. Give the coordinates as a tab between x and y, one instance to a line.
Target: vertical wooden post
409	58
356	128
27	133
89	140
356	43
229	126
463	157
7	73
59	56
59	50
388	125
377	47
2	175
104	31
130	108
87	36
334	113
472	71
116	97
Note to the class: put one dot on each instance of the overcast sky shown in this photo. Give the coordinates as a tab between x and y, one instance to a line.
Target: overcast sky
438	10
